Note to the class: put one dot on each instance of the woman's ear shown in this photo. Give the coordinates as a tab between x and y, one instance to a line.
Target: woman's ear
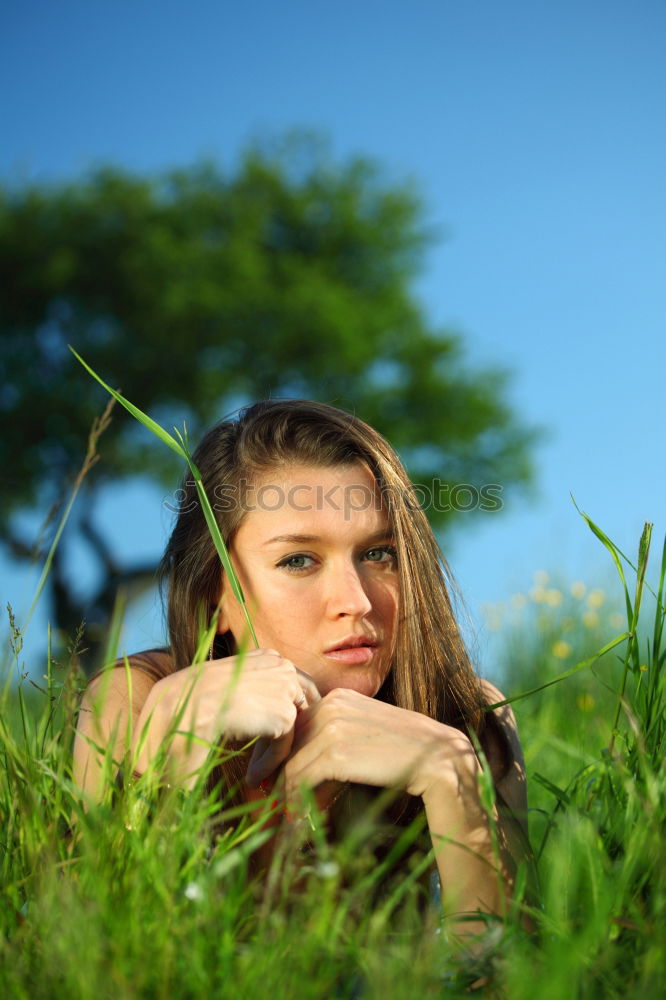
223	624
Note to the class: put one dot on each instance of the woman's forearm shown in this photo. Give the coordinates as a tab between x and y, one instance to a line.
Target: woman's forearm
470	871
470	866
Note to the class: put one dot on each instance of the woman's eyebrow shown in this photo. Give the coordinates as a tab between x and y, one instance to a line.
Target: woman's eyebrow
296	539
377	536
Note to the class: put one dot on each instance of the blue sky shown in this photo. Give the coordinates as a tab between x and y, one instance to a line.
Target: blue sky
536	133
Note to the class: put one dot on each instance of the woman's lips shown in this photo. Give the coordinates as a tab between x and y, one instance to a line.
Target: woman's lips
355	655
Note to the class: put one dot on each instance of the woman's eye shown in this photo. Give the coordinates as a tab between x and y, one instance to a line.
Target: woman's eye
382	553
295	563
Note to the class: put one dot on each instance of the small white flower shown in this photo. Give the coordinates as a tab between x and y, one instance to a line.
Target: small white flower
194	892
328	869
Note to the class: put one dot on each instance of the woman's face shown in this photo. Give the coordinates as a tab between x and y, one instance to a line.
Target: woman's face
315	558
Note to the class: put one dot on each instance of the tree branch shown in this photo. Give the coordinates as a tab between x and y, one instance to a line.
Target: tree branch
97	542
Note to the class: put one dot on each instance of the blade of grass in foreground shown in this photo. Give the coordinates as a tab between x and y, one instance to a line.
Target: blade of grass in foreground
631	658
567	673
100	424
180	447
632	647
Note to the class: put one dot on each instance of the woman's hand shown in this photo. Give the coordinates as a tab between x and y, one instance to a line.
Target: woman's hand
238	698
349	737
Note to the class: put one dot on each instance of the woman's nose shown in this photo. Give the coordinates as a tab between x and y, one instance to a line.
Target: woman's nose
348	595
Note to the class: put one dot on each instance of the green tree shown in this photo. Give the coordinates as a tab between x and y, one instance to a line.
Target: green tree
201	289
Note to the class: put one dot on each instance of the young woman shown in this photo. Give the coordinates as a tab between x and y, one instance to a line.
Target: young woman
360	678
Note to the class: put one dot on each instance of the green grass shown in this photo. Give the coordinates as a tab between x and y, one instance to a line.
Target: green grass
142	896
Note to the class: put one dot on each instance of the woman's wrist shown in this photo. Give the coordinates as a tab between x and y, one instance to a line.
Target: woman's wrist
447	767
454	809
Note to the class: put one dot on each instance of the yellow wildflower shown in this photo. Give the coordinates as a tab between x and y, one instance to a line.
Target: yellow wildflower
596	598
554	597
561	649
578	589
585	702
591	619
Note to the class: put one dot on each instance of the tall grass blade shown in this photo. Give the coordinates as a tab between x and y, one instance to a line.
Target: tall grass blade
179	446
138	414
97	429
567	673
615	554
632	645
659	616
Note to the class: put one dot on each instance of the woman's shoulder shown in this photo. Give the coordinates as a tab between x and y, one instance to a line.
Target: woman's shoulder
157	663
511	783
110	709
503	713
125	683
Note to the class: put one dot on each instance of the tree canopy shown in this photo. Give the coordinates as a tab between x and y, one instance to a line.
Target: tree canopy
203	288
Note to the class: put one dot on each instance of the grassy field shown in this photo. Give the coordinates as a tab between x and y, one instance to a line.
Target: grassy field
145	896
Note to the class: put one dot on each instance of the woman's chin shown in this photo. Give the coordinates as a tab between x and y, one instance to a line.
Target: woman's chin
364	684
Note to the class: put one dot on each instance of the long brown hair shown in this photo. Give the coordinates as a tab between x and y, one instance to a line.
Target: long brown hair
431	671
